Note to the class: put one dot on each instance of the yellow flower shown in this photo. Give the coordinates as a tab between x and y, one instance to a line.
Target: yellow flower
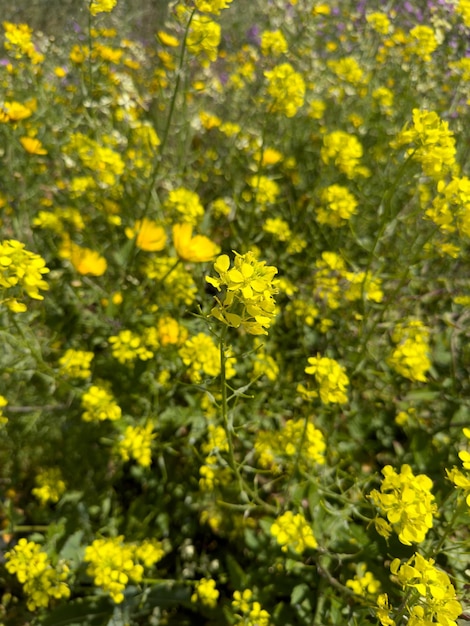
84	260
197	249
32	145
149	235
101	6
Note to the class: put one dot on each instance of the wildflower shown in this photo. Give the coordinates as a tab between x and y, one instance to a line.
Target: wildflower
114	564
286	88
410	358
14	112
21	269
249	289
197	249
101	6
407	502
432	143
3	403
383	610
293	532
252	612
217	440
265	190
463	8
205	592
84	260
185	204
149	235
435	600
204	38
41	581
348	70
136	444
364	582
273	43
331	379
179	286
128	346
265	365
212	6
422	41
32	145
99	405
338	206
50	486
202	356
297	441
170	332
379	22
76	363
345	151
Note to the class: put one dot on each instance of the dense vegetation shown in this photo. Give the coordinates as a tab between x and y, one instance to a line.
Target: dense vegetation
234	280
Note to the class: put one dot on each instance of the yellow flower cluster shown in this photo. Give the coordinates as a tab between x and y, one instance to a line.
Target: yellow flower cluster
184	205
345	151
75	363
379	22
203	39
104	162
433	599
212	6
40	579
286	88
338	205
348	70
18	40
364	582
202	357
277	227
205	592
21	269
273	43
331	379
179	286
432	143
128	346
463	8
99	405
114	563
422	41
50	486
293	532
137	444
249	289
410	358
450	210
252	614
407	502
297	440
265	190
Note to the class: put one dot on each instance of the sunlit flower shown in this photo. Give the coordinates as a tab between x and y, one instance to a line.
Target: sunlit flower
195	249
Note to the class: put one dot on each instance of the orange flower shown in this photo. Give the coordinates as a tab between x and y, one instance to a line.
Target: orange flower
197	249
